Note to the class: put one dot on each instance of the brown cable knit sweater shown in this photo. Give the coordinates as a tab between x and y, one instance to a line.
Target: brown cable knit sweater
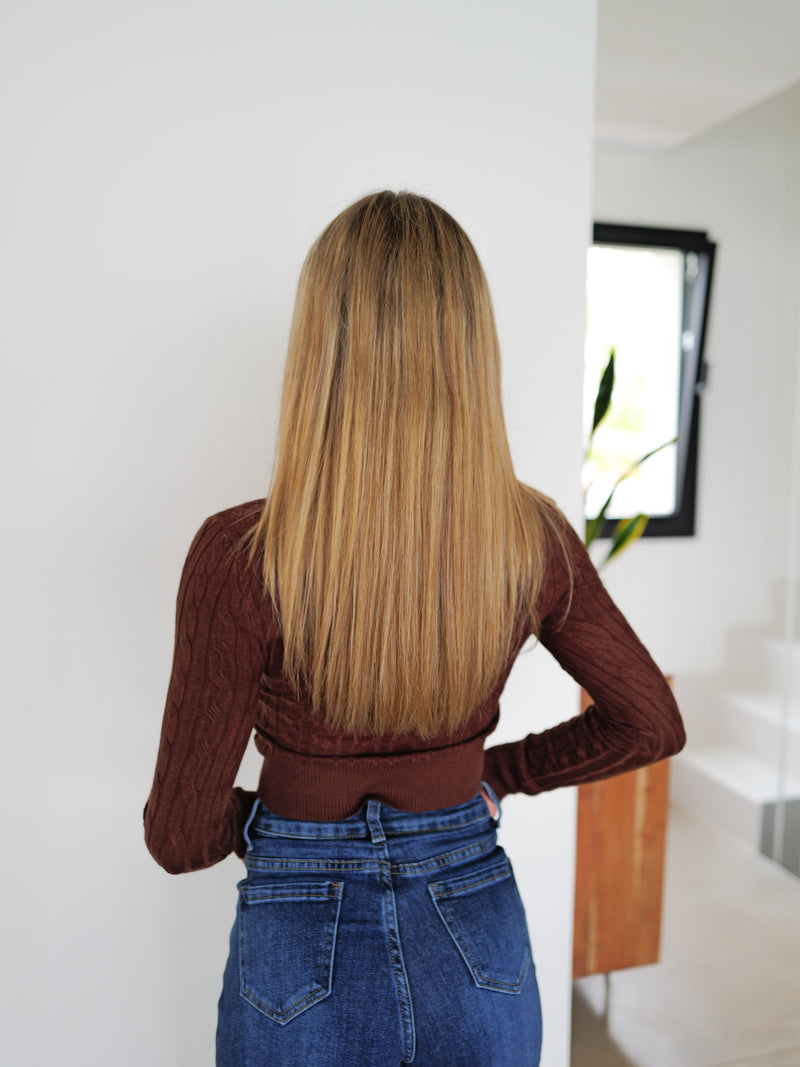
227	681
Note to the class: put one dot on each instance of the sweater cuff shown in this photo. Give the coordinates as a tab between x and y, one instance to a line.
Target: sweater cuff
500	768
243	800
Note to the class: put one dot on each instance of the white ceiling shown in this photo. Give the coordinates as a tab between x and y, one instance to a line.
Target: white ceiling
670	69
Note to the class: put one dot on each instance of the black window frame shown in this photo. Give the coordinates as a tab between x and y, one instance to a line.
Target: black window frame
693	368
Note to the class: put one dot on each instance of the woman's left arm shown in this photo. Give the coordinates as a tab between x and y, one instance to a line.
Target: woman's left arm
633	720
194	816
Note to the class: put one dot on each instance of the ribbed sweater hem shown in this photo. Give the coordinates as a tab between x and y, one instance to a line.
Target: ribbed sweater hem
327	788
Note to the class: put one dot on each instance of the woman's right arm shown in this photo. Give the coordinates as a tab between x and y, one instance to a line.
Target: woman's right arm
194	815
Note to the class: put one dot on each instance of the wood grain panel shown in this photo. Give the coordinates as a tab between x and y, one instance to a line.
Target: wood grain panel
619	878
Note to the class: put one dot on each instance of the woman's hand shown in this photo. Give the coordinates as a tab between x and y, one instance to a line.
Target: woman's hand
490	804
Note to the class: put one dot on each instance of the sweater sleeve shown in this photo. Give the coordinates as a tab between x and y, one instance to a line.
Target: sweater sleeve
194	816
633	720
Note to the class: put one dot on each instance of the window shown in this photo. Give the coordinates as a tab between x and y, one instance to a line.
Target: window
647	298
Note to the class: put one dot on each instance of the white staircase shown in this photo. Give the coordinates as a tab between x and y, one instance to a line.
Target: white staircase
736	735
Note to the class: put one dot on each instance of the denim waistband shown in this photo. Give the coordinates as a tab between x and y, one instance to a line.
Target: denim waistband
375	820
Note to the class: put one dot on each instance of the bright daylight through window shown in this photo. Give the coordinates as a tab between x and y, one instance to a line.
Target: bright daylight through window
647	302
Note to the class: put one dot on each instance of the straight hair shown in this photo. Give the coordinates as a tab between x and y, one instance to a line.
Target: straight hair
396	543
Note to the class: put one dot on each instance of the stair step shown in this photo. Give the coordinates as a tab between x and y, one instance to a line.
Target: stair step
754	723
756	658
748	720
765	704
749	777
729	787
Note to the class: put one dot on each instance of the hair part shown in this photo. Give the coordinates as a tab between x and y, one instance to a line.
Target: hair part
397	544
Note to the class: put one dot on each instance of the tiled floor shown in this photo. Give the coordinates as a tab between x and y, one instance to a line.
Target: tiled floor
727	990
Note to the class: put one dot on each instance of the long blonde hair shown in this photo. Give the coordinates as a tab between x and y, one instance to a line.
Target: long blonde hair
397	544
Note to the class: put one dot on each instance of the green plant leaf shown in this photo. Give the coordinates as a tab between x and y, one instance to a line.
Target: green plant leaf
605	389
592	529
625	533
641	459
627	530
594	526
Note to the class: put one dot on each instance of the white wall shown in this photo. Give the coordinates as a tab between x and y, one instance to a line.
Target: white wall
741	183
168	165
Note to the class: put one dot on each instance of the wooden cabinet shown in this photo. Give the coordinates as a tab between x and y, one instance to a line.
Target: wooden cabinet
619	878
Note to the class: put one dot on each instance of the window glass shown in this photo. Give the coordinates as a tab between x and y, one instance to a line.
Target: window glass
647	297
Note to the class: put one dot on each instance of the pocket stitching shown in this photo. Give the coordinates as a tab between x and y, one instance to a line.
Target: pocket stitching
444	891
291	891
452	889
332	891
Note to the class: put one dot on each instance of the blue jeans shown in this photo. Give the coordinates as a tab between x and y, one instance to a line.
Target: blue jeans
382	939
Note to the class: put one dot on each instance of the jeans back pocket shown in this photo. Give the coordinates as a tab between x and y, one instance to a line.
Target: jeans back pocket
287	937
484	915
